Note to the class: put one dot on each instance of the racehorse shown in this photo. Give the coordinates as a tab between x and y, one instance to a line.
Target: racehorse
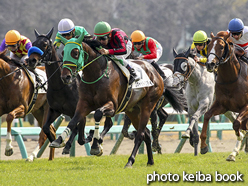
231	86
62	98
177	100
103	88
199	91
17	97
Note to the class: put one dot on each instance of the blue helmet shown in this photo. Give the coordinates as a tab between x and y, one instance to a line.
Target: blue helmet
236	25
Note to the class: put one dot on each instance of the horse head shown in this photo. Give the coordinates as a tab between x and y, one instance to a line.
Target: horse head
181	68
218	50
73	58
41	50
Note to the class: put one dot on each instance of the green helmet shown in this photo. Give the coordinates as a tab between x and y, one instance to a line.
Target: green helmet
200	37
102	28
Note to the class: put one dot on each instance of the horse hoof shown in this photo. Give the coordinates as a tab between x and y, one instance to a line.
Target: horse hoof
186	135
9	152
230	158
30	159
128	165
55	144
204	150
96	151
65	151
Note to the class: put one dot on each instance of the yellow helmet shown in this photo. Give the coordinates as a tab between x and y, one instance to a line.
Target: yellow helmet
12	37
200	37
137	36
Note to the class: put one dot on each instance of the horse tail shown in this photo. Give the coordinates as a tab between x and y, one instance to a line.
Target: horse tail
176	98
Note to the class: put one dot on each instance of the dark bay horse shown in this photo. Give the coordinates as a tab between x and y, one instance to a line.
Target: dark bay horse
231	86
102	90
62	98
17	91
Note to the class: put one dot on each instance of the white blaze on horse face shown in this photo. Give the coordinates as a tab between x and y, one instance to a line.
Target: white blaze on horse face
212	52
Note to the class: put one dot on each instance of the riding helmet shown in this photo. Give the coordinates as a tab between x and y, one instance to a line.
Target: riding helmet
200	37
137	36
236	25
12	37
65	26
102	28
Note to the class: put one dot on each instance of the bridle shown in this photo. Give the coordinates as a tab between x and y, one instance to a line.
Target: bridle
225	57
188	72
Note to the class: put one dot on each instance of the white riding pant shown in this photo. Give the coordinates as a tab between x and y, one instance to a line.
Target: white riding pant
123	57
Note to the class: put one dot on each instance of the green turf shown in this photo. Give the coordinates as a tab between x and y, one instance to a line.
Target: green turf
109	170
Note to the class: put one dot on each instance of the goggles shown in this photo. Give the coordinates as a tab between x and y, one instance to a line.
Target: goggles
198	44
12	46
67	34
138	43
236	33
102	38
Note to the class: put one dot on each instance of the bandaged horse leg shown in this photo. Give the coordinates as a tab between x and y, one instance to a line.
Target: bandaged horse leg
107	109
34	154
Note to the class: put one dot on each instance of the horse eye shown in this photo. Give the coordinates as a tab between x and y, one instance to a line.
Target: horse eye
184	66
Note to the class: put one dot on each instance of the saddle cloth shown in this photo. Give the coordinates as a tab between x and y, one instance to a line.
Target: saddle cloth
42	76
144	79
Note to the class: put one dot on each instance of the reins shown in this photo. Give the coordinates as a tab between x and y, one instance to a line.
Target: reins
10	73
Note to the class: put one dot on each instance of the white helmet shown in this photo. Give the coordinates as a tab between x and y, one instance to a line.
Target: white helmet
65	26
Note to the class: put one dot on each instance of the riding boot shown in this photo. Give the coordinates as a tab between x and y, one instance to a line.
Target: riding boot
133	75
244	58
156	66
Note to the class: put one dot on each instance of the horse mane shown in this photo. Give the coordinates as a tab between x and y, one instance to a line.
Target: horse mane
93	43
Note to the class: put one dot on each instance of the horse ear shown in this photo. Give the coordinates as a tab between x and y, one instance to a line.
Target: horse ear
187	53
36	33
212	35
50	33
174	52
227	36
80	39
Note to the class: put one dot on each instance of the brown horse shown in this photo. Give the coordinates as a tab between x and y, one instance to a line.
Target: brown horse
102	90
231	86
16	94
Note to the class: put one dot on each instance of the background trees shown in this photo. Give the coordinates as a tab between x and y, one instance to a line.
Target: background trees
172	23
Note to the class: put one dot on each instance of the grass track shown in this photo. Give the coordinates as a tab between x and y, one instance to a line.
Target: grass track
109	170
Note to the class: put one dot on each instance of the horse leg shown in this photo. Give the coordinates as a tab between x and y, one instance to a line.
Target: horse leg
147	140
194	138
67	147
163	115
242	117
231	116
140	124
153	118
215	109
107	109
59	142
107	125
51	117
127	123
16	113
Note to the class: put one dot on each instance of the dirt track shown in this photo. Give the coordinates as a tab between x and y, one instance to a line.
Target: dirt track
169	143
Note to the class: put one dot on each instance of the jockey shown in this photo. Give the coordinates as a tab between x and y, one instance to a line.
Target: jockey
17	44
117	44
147	49
68	30
200	46
239	35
